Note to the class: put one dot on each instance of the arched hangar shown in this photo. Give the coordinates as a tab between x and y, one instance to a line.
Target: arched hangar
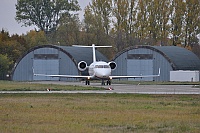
52	59
146	60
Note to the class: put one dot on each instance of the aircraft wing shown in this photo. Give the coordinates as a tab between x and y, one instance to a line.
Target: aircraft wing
139	76
64	76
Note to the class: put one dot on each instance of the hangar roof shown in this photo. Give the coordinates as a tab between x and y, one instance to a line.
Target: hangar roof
77	54
180	58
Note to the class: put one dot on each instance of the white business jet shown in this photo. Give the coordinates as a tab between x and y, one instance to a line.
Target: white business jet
97	70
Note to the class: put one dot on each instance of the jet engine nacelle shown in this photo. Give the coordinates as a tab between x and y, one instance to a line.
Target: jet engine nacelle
112	65
82	66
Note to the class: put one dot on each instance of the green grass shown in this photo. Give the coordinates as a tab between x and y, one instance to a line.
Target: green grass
28	86
95	112
99	113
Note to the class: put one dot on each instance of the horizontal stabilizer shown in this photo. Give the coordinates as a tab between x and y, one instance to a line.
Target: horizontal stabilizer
93	49
91	46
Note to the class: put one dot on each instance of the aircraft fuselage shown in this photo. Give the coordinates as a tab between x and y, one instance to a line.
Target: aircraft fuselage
100	70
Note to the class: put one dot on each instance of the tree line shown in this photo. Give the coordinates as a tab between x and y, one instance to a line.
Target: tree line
120	23
151	22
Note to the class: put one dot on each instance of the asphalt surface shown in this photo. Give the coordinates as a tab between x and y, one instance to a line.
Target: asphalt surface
122	88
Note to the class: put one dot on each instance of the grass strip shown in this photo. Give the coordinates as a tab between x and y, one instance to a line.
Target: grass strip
99	113
28	86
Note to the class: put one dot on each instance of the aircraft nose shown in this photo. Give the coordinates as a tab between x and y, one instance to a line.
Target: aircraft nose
103	73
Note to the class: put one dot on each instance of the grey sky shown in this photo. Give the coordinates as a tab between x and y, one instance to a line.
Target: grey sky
7	16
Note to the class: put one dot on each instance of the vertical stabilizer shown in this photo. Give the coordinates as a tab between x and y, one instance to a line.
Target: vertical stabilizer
94	54
93	49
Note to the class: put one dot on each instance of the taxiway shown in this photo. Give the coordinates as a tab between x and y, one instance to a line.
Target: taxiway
121	88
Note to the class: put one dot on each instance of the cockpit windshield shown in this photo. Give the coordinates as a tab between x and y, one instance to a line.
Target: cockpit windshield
102	66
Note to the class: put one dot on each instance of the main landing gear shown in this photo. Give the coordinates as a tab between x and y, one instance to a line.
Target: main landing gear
87	82
107	83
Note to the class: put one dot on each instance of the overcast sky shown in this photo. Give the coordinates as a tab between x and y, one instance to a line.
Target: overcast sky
7	16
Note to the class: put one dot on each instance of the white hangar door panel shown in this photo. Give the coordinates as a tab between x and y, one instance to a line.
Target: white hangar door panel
42	66
140	64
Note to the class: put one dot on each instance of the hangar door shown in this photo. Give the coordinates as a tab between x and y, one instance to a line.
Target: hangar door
46	64
140	64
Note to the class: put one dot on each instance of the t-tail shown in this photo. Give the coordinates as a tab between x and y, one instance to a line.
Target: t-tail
94	54
93	49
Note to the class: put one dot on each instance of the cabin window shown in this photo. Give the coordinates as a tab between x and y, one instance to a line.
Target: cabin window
106	66
102	66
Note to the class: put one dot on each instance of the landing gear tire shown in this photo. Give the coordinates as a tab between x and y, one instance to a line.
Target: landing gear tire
87	82
108	82
102	83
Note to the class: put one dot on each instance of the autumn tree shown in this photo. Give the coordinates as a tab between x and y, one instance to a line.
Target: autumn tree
97	24
192	22
177	21
68	32
158	20
4	66
45	14
142	19
4	36
10	50
11	46
35	38
97	19
185	22
89	26
133	22
22	44
121	25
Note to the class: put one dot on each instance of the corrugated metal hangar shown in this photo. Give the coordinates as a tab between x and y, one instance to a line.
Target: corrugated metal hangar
140	60
146	60
51	59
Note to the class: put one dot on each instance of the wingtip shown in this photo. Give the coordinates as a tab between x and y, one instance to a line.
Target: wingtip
159	72
33	71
